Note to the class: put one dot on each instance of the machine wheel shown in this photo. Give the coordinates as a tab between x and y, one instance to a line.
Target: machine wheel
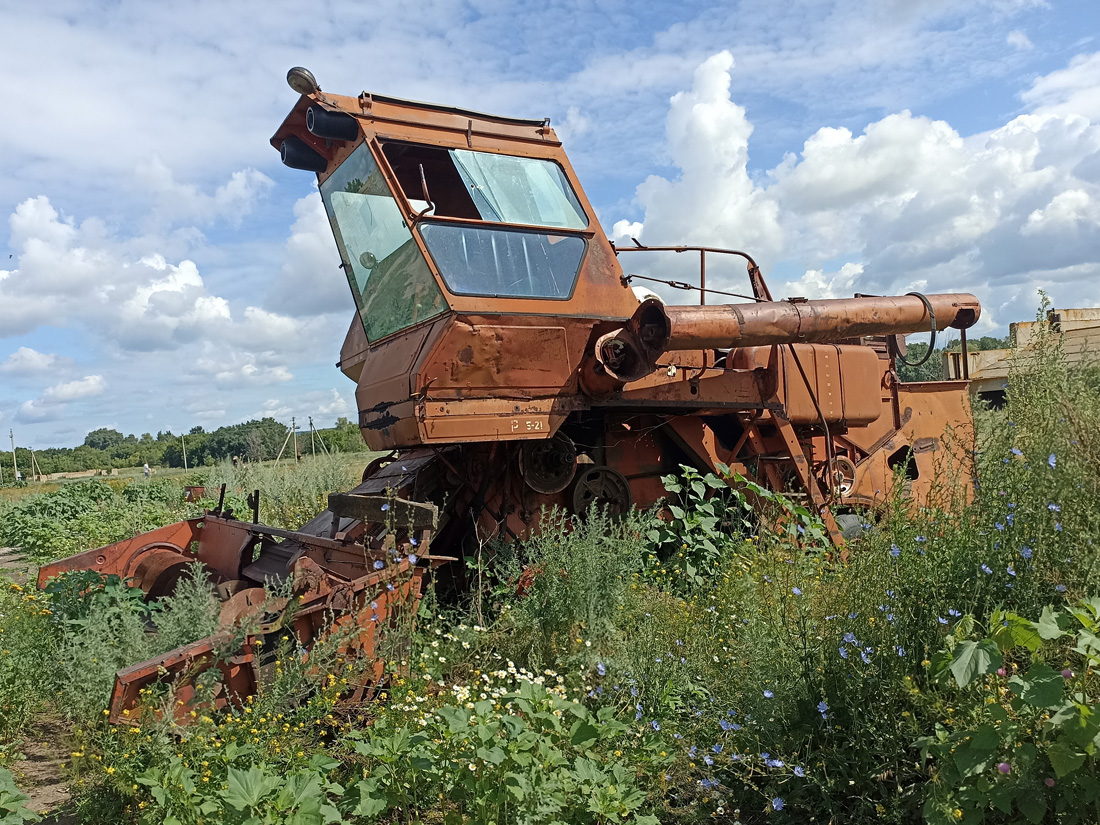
548	466
603	487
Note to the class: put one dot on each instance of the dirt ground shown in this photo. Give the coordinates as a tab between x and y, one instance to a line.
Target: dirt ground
41	776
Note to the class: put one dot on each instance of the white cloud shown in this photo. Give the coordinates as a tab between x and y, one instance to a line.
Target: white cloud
179	201
908	204
1019	39
309	282
708	138
1074	90
27	361
73	390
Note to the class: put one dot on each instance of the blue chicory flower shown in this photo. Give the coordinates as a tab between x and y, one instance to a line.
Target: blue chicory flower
1052	461
799	771
778	803
895	551
796	591
768	694
378	565
600	669
986	568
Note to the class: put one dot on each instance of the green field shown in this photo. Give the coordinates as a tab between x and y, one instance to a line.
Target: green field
698	669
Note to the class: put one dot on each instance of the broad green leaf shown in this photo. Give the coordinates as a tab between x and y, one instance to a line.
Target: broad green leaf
1000	797
974	755
371	801
1047	626
973	659
246	788
583	734
1015	631
1064	757
1040	687
1033	806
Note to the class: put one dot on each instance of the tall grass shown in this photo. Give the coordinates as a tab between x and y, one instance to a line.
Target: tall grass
291	493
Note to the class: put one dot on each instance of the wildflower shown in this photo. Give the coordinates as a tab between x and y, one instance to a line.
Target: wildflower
691	751
725	725
1049	781
895	551
852	615
1025	552
953	612
385	507
717	748
708	783
778	803
822	708
941	620
799	771
843	653
796	591
1058	527
850	638
900	650
1067	674
865	656
920	539
600	669
1010	571
1052	461
1061	588
986	568
1054	508
413	558
768	694
378	565
999	525
1017	451
708	761
1004	767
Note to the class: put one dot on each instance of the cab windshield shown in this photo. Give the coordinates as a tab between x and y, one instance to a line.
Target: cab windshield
389	277
536	255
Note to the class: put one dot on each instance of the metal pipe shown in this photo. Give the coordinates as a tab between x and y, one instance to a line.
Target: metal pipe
786	322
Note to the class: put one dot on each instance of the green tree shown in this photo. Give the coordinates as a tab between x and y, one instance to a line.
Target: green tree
103	439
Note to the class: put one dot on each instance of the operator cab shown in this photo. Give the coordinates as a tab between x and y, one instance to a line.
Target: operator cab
492	225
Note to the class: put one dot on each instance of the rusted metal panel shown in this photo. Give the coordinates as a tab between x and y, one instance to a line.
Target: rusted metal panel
122	558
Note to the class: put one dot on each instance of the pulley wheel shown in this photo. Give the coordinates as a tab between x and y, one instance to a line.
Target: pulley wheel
603	487
842	477
548	466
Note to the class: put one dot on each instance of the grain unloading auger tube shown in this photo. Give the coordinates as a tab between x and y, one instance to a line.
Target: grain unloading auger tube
632	351
357	572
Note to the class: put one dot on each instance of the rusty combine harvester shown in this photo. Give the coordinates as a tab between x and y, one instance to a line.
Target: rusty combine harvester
506	363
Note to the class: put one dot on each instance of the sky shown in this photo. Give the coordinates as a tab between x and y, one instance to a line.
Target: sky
160	269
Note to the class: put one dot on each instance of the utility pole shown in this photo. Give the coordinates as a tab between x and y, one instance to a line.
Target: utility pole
183	441
11	435
312	438
294	429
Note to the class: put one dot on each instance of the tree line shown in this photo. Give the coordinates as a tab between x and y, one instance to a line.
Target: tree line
106	448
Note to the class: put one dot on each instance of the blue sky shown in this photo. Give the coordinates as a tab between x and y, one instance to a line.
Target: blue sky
159	268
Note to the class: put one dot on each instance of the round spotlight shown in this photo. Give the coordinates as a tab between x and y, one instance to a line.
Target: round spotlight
302	81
